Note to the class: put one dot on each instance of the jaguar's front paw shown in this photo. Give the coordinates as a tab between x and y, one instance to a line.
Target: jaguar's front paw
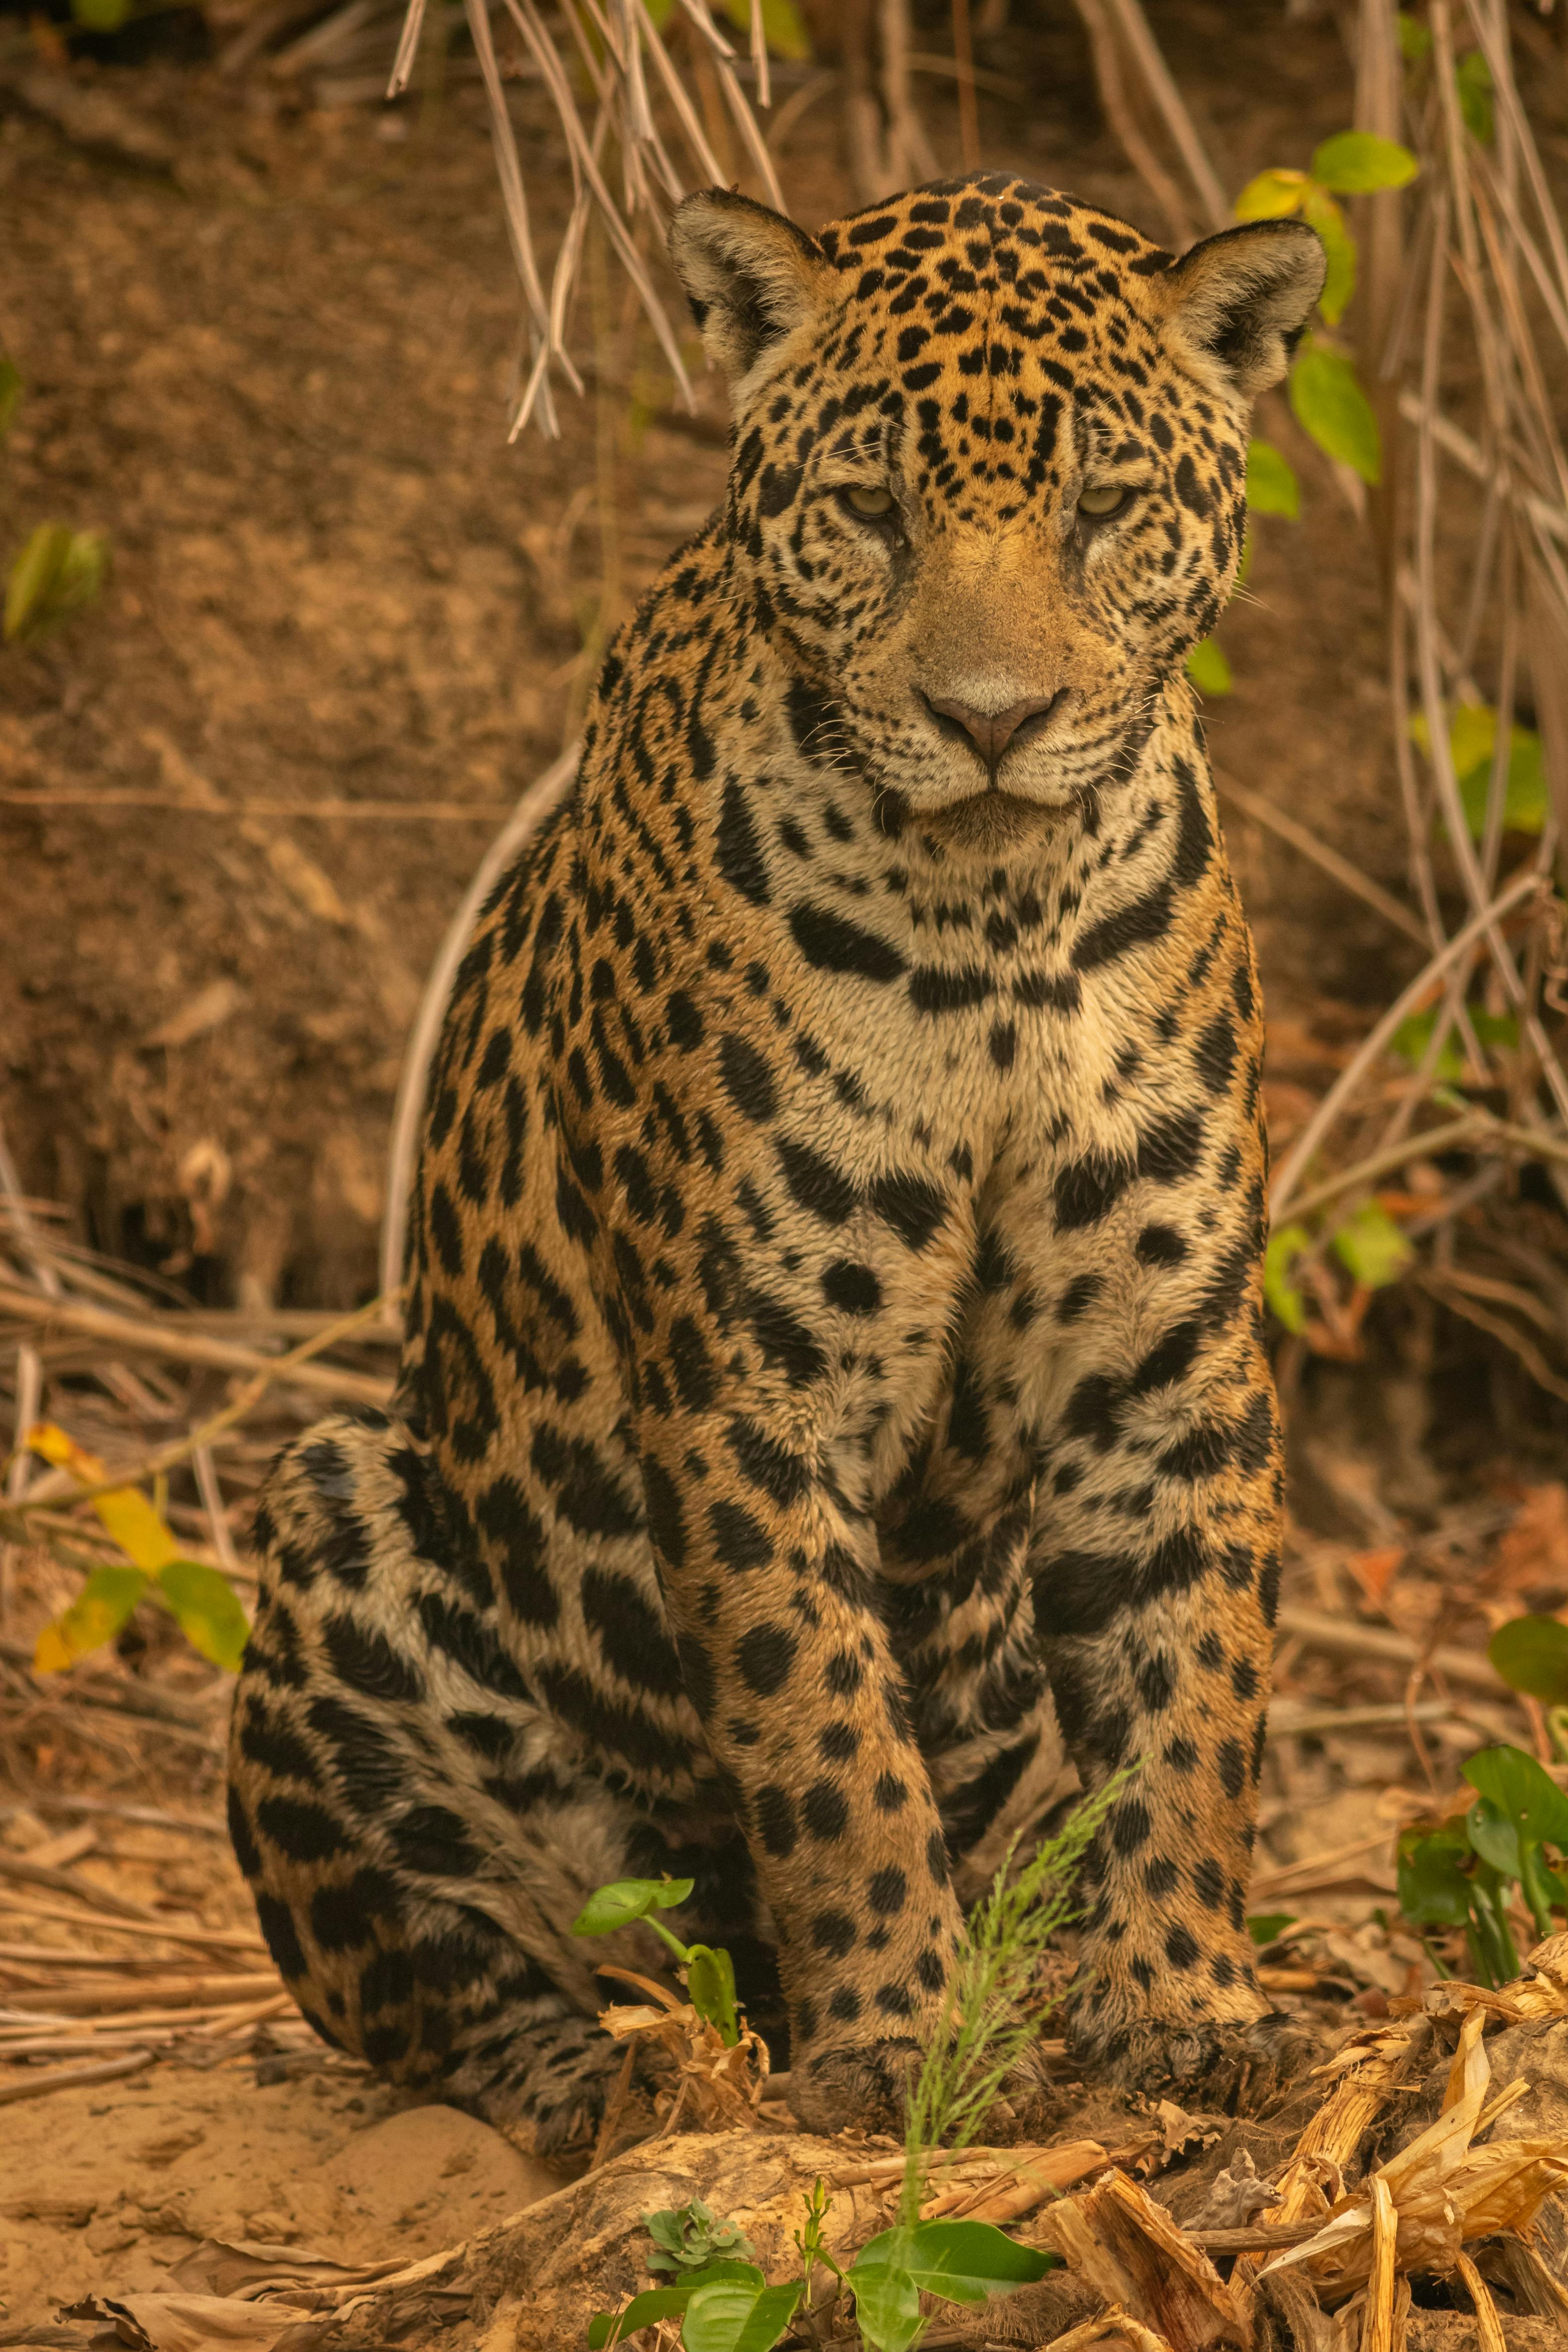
868	2084
1235	2065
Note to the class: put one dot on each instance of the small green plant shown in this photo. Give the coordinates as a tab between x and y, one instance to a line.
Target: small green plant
1472	746
990	2029
689	2238
201	1598
992	2021
728	2306
709	1971
1462	1873
1324	390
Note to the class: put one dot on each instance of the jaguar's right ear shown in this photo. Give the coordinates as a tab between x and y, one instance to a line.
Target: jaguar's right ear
750	276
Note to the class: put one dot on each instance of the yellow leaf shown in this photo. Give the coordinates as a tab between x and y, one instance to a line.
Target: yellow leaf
50	1654
136	1527
126	1515
1272	195
64	1451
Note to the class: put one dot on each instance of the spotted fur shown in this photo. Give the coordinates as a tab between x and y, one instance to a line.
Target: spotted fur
834	1408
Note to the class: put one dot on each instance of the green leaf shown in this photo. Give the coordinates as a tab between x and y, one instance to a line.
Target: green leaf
783	27
1522	1792
1271	196
1413	1037
1494	1837
655	2303
710	1988
32	579
102	15
962	2261
1263	1926
1330	405
1434	1890
1472	741
1372	1248
628	1900
662	2303
1358	162
1271	484
729	2315
207	1609
1524	801
94	1617
1519	1808
10	394
1415	38
1473	80
1208	668
1410	1042
1323	214
976	2252
1280	1293
57	571
1531	1654
1472	735
887	2306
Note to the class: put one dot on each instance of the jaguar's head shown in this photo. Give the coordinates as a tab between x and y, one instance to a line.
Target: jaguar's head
988	479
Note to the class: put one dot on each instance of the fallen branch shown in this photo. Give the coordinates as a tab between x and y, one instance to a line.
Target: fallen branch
70	2078
1342	1639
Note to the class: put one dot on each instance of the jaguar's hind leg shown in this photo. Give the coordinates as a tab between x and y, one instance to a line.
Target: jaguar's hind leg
416	1844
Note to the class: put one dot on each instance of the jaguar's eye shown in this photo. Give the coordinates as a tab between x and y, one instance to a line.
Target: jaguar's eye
1103	499
874	503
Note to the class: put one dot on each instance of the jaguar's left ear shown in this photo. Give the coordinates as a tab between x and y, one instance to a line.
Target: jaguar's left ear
1238	302
750	276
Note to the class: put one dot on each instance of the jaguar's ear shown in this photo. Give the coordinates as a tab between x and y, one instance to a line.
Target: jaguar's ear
750	276
1238	302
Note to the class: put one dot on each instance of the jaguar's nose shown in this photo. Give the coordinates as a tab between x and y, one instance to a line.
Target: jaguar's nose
992	732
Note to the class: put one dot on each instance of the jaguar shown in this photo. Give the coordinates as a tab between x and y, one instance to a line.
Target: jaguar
834	1427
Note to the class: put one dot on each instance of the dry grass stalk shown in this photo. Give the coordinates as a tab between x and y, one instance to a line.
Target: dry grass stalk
70	2078
642	108
205	1939
160	1336
1486	227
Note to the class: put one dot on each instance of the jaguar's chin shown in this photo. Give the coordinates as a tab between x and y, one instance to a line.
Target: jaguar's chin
987	821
